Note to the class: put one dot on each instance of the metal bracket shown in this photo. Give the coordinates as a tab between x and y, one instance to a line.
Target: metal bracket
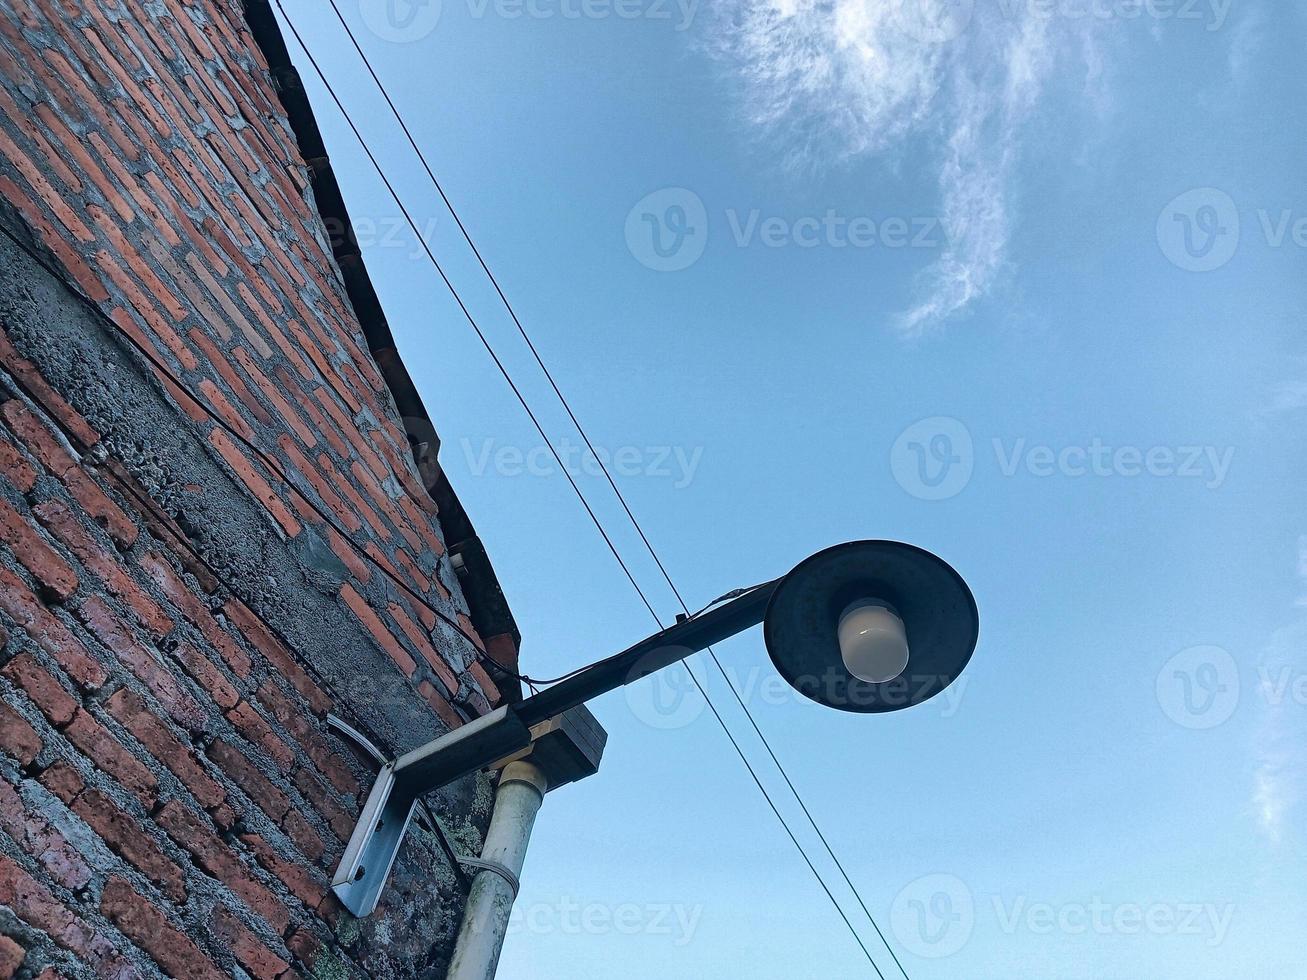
386	815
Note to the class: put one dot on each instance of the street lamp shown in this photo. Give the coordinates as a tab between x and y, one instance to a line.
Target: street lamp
867	626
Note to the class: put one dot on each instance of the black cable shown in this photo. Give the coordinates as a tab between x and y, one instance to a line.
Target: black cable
589	510
467	314
612	483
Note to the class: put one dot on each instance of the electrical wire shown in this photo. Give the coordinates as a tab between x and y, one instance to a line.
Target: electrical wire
580	429
508	306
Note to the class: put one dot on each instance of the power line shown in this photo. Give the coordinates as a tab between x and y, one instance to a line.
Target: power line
607	474
576	489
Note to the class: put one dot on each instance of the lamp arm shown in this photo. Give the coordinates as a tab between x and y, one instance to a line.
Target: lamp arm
649	656
381	826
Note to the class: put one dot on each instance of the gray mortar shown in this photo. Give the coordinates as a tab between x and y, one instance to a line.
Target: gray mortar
292	584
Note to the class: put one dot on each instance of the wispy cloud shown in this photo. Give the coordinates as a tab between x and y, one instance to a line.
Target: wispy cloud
1280	778
846	78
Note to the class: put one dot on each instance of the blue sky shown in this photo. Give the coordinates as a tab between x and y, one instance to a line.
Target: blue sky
1018	281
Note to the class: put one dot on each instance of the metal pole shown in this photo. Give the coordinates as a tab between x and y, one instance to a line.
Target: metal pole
490	901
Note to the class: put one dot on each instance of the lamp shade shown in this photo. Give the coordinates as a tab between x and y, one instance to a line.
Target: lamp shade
937	610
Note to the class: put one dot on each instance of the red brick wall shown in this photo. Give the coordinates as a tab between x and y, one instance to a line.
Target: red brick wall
176	620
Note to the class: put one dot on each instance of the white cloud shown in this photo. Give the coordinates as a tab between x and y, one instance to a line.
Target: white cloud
837	79
1280	778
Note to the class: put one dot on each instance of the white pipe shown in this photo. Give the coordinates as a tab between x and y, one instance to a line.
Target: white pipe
485	920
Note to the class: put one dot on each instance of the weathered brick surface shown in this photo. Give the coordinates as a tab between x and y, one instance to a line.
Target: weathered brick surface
172	801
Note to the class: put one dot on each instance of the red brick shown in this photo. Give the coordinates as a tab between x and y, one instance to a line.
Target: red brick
43	444
150	929
63	781
197	612
38	438
305	837
16	469
254	481
17	737
11	957
37	838
488	687
306	947
46	692
275	652
301	882
101	509
103	562
95	742
134	715
441	705
186	828
298	725
258	732
143	662
221	362
125	836
419	638
244	774
313	789
419	578
30	548
47	630
349	556
49	399
33	903
384	637
268	388
261	962
207	675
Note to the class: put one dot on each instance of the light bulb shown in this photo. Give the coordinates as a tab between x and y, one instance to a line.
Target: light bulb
873	642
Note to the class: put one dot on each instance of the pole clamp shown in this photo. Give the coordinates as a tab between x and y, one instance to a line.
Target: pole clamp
494	867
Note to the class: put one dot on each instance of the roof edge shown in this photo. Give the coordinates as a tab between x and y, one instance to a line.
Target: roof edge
487	605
